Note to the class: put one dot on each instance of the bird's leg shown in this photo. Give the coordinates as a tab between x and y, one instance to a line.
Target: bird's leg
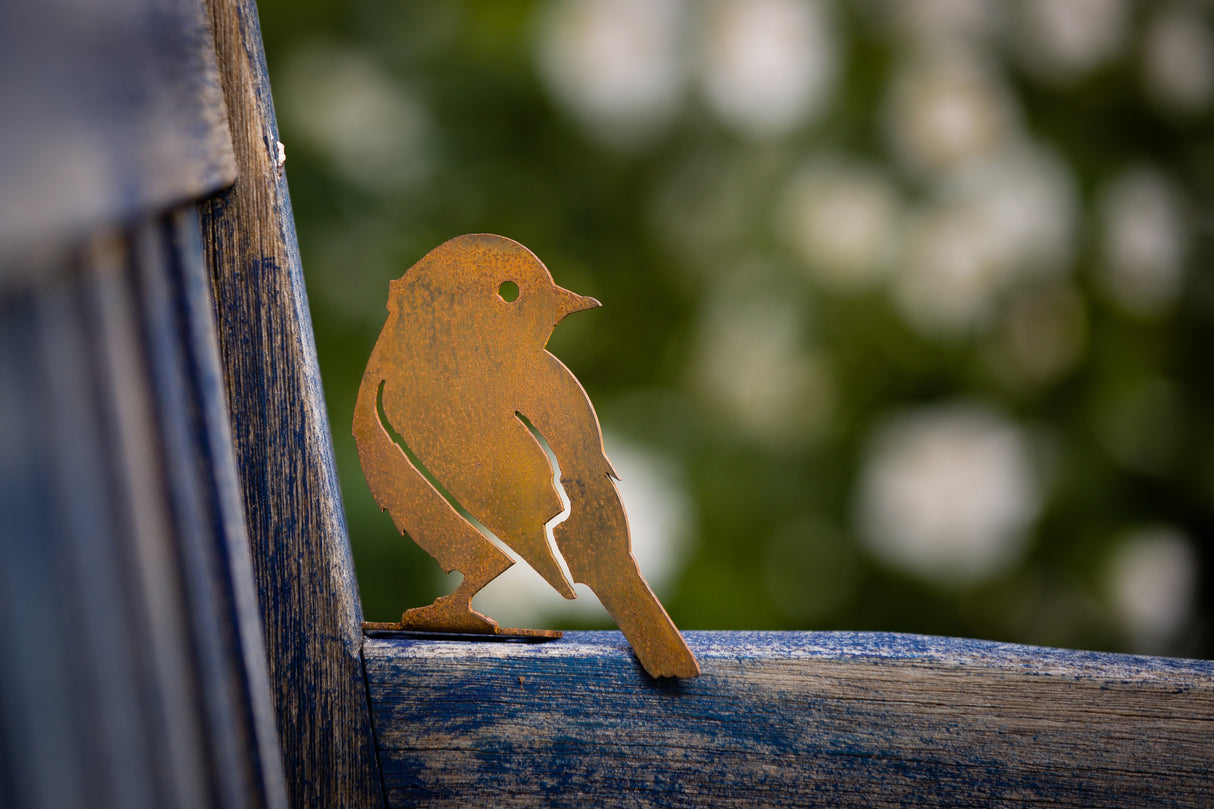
453	612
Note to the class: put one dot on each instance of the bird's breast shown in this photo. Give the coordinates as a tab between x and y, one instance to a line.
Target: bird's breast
456	411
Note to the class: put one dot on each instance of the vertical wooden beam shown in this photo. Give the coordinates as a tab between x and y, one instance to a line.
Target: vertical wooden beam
132	668
36	667
292	502
200	474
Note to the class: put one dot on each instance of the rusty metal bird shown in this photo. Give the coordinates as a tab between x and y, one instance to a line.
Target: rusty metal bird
457	401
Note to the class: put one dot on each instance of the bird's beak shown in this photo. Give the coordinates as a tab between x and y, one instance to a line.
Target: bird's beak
570	302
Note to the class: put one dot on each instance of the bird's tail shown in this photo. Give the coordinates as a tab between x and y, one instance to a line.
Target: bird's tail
644	622
596	545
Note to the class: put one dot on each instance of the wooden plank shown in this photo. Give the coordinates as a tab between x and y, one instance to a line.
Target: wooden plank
159	613
35	662
129	641
231	565
246	765
789	719
301	555
176	412
106	699
110	112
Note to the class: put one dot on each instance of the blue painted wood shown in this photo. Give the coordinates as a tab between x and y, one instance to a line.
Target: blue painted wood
191	408
111	112
34	664
789	719
290	495
231	566
157	614
192	522
132	670
118	761
125	681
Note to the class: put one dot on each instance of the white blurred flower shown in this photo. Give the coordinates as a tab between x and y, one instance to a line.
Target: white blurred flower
1005	218
767	65
1063	41
1152	582
1178	58
842	218
951	274
617	65
1026	197
1143	241
660	517
369	126
948	107
948	493
756	370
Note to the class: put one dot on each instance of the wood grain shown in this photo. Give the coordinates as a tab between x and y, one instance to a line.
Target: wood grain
300	549
789	719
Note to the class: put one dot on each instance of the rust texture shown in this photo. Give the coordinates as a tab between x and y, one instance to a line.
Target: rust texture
454	408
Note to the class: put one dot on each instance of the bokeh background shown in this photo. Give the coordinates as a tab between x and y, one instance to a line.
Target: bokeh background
907	313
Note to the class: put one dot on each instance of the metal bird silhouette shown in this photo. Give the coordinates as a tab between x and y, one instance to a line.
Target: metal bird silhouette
461	375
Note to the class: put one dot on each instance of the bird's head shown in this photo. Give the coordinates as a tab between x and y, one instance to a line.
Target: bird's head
494	285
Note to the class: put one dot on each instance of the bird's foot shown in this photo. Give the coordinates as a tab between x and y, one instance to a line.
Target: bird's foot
448	614
452	615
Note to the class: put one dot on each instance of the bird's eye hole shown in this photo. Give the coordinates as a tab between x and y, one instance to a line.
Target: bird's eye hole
508	291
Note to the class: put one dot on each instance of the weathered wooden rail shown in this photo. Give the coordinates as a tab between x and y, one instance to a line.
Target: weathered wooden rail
789	719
